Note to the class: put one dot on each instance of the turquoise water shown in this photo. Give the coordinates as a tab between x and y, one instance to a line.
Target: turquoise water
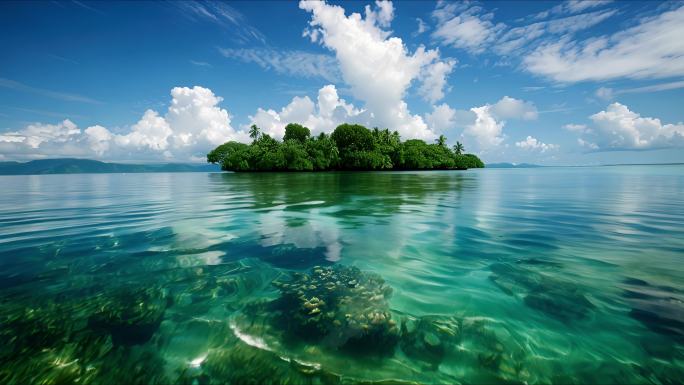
551	275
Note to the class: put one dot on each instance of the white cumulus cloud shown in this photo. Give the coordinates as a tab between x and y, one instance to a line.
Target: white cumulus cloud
328	112
152	131
435	80
531	143
483	126
98	139
378	68
39	140
193	125
619	128
511	108
486	130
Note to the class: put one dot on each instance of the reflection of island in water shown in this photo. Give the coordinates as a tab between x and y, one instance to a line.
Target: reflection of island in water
299	217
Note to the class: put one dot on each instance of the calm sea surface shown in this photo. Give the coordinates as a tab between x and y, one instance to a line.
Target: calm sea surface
550	275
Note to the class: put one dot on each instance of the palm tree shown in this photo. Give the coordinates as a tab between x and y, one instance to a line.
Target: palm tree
396	138
441	140
254	132
458	148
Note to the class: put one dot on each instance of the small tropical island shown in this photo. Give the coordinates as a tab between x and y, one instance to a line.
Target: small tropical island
349	147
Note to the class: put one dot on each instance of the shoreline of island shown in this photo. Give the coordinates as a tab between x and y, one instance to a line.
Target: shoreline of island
350	147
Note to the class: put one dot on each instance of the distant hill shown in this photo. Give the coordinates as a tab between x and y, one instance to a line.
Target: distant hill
88	166
512	165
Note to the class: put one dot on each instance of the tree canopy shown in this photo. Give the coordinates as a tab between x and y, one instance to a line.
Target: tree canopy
349	147
294	131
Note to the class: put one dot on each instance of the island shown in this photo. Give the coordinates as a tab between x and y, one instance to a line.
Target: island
349	147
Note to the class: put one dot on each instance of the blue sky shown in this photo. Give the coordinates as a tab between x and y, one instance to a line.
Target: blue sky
543	82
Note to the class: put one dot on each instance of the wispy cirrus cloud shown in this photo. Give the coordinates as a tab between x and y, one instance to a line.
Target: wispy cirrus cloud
200	63
14	85
296	63
571	7
62	58
466	26
652	49
46	113
519	38
223	15
88	7
607	93
469	26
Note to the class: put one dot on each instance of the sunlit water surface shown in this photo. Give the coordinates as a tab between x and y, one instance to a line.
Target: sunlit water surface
550	275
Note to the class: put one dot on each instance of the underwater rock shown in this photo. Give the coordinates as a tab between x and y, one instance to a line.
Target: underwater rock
539	262
563	305
339	306
130	316
426	338
464	346
283	256
556	298
659	308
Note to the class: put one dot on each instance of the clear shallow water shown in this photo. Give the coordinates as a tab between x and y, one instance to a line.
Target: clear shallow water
554	275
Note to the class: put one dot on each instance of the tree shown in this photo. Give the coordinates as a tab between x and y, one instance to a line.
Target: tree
294	131
323	153
356	146
225	150
296	156
441	141
458	148
352	137
236	157
254	132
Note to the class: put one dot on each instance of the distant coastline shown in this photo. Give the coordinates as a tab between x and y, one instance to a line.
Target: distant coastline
89	166
530	165
513	165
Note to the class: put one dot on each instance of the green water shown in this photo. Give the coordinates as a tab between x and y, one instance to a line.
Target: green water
552	275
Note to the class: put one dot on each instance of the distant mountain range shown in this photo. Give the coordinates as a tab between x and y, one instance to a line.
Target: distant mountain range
511	165
87	166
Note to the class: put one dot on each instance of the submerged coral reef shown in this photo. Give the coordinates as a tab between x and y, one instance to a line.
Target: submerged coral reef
250	323
340	307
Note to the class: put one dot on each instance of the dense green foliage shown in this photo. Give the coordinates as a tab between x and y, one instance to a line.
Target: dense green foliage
294	131
349	147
